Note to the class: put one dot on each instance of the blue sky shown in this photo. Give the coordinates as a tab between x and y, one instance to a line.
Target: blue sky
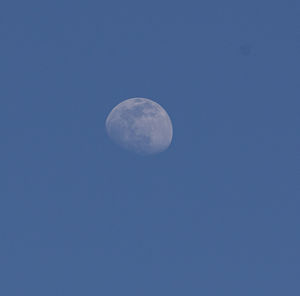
215	214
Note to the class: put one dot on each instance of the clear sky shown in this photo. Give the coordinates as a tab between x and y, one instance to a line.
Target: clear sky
215	214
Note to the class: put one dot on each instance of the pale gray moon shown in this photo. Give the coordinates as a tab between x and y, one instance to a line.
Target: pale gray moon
140	125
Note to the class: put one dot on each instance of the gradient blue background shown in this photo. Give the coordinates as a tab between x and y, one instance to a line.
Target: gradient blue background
216	214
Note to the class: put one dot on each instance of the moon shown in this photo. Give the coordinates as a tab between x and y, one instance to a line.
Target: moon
140	125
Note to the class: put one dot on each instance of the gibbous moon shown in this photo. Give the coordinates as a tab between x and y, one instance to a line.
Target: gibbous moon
140	125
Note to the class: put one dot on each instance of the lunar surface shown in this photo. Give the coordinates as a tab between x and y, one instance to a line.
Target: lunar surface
140	125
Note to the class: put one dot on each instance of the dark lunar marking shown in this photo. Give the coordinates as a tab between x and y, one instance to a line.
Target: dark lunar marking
141	144
246	49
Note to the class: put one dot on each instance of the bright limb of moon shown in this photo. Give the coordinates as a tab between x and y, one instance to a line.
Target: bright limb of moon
140	125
